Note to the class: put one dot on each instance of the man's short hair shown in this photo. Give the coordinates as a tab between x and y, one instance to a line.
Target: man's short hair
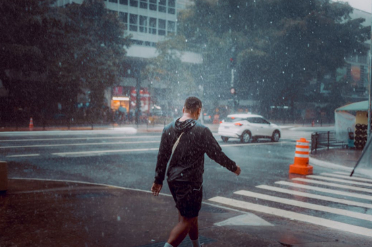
192	104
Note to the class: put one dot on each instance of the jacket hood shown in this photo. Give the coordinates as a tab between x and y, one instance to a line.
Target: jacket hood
184	125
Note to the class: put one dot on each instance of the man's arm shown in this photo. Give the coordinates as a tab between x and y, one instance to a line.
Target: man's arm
164	154
214	151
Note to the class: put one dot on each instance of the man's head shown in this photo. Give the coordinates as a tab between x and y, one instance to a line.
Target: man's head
193	106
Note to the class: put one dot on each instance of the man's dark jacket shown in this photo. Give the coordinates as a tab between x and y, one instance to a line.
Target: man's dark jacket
187	163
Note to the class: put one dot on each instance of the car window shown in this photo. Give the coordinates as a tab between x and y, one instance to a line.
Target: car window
233	119
253	120
262	121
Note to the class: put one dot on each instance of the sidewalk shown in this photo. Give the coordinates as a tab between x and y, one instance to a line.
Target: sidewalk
57	213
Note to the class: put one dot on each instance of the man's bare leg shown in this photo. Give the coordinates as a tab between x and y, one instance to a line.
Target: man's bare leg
180	231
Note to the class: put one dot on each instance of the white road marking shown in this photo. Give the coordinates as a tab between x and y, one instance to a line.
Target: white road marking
65	154
81	144
86	138
333	185
332	191
339	180
314	196
23	155
347	176
305	205
294	216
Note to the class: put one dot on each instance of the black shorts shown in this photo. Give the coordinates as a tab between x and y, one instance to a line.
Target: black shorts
188	197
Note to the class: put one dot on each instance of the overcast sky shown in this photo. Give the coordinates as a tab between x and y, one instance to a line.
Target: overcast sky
365	5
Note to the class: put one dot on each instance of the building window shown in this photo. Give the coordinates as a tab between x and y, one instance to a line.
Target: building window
124	18
143	24
137	42
153	5
161	27
171	27
134	3
133	23
162	6
125	2
113	1
152	25
143	4
171	6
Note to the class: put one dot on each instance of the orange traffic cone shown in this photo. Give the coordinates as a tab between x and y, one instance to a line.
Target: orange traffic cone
301	160
31	125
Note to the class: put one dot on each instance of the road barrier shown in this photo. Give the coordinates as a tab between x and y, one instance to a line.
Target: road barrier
3	176
301	160
322	140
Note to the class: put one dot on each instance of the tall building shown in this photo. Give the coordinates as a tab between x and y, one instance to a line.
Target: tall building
149	22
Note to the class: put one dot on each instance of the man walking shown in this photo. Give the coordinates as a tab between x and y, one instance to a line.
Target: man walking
183	145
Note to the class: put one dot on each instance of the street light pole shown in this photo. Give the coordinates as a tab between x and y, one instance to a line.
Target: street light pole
370	88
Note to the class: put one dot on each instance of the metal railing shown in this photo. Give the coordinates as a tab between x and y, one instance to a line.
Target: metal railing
325	140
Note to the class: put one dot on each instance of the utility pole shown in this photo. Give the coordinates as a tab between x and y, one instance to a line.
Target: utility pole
137	74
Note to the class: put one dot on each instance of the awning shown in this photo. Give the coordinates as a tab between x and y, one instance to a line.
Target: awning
357	106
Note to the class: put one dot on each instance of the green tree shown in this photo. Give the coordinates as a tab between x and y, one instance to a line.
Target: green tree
279	45
67	48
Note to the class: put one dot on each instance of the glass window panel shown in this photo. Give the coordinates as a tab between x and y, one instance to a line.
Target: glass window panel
134	3
162	9
125	2
162	2
153	4
123	17
143	24
171	11
113	1
152	25
133	22
171	3
161	32
161	24
143	4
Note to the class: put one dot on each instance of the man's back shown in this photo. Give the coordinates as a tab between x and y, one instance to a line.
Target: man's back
187	163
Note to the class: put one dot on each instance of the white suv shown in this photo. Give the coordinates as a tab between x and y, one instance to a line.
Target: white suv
247	128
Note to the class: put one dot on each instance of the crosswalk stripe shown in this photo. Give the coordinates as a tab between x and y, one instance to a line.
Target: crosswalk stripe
314	196
353	178
293	216
342	173
339	180
305	205
332	191
333	184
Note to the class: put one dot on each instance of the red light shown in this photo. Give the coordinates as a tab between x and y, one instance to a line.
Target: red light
231	59
232	118
238	124
220	122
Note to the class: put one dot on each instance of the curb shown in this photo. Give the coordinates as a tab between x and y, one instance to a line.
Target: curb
321	163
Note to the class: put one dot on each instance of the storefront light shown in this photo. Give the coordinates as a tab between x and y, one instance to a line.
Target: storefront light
120	98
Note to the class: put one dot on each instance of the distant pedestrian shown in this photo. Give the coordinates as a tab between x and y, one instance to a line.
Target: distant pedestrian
189	141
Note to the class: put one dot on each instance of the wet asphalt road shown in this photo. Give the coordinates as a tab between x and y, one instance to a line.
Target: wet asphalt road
129	161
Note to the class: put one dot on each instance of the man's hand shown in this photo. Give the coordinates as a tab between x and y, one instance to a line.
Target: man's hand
155	189
238	170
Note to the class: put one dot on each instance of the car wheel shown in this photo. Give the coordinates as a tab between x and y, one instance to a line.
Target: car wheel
224	139
276	136
246	137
